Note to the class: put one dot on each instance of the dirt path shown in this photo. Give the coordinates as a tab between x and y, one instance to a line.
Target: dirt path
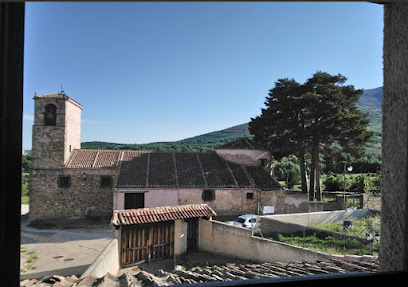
60	251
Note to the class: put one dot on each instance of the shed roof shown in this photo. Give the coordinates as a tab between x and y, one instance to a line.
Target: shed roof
160	214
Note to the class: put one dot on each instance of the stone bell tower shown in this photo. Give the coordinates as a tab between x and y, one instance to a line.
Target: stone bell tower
56	130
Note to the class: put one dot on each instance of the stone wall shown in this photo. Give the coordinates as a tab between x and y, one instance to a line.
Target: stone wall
48	147
52	144
83	199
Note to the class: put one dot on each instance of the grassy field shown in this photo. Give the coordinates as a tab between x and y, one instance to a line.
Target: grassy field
332	245
329	244
359	228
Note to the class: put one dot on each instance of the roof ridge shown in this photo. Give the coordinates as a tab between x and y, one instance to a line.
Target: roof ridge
202	171
175	169
232	174
147	170
70	158
96	157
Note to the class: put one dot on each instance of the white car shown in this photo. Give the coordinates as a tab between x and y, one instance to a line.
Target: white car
246	220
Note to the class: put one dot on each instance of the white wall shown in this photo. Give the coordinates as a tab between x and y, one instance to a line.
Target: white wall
153	198
180	237
220	238
107	261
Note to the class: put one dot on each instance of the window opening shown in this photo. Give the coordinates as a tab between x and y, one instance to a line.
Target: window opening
64	181
50	115
250	195
134	200
208	195
106	181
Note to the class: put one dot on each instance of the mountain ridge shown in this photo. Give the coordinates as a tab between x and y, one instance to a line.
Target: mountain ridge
370	103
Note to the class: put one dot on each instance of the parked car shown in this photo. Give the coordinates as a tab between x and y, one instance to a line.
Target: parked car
246	220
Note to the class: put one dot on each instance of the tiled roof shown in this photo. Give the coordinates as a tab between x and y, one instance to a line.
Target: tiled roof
160	214
215	274
242	143
52	96
90	158
60	95
147	169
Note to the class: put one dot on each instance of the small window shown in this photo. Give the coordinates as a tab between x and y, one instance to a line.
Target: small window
50	115
250	196
106	181
208	195
64	181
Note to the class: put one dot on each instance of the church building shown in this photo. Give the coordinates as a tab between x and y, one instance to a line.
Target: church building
68	183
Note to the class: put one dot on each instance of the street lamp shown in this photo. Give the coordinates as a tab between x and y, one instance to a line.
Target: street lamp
349	169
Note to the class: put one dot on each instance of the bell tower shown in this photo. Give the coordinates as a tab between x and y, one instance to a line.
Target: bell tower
56	130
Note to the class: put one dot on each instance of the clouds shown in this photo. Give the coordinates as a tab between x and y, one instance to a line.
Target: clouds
28	118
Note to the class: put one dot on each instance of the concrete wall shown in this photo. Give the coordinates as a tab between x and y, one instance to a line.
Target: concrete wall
315	218
107	261
394	168
298	224
84	199
214	235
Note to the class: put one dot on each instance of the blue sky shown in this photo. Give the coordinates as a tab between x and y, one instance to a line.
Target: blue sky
147	72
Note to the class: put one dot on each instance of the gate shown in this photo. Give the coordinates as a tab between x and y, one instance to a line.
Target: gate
144	242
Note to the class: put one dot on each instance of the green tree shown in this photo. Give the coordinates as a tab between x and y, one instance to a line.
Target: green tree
287	169
333	120
309	119
280	127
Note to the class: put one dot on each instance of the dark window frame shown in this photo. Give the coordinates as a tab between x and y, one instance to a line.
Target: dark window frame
106	181
64	181
208	195
250	196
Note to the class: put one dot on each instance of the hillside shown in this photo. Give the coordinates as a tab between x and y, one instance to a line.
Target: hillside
201	143
369	103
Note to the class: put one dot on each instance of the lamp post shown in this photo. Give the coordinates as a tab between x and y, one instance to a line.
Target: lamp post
349	169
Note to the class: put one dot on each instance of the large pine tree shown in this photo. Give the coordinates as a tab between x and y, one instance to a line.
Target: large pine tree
303	119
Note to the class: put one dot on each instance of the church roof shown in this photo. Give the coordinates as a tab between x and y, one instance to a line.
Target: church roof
60	95
148	169
242	143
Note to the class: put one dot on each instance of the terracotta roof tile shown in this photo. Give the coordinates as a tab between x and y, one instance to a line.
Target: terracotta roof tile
160	214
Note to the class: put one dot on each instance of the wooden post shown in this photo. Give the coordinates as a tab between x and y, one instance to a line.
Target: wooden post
150	244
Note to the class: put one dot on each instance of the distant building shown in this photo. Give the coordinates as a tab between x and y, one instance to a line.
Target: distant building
69	183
